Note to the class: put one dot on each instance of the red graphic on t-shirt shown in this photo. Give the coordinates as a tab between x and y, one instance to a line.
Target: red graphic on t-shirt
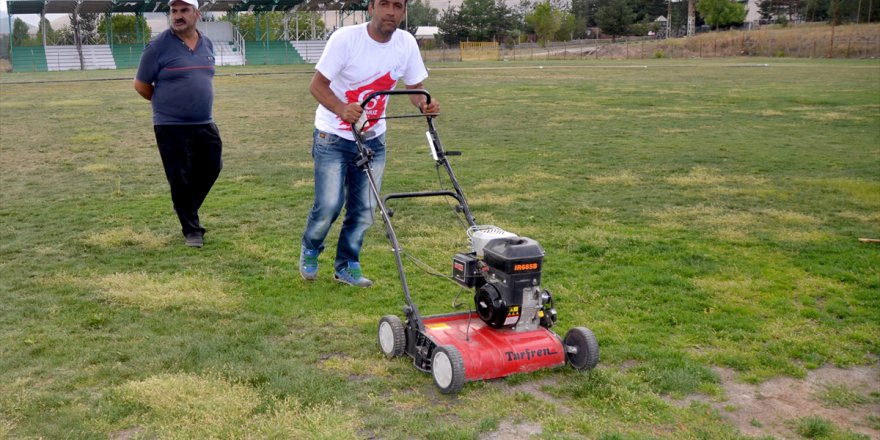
376	107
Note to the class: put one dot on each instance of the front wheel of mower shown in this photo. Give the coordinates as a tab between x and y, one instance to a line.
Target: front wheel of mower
447	368
581	348
392	338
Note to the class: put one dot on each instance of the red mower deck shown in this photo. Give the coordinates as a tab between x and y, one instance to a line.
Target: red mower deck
490	353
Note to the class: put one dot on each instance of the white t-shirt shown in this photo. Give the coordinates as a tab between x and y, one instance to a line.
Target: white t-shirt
358	65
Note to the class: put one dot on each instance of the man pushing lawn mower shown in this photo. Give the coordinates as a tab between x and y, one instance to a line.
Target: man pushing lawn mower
509	330
357	61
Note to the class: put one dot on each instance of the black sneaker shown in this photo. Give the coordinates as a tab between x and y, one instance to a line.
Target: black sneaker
195	240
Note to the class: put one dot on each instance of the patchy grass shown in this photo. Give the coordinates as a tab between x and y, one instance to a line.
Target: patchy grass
840	395
126	236
184	406
695	217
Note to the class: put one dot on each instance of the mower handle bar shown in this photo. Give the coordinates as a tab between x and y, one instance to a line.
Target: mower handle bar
395	92
373	95
410	195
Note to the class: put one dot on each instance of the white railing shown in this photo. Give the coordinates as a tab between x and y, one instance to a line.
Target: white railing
239	43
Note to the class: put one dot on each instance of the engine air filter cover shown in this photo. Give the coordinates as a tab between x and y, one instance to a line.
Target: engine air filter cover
514	255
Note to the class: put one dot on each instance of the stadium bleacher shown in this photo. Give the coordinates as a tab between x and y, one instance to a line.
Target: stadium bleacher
66	57
309	50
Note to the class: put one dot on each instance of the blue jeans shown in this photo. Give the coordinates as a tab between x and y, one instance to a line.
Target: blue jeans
338	182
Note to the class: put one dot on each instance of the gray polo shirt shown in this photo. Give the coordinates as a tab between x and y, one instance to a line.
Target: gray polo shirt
182	78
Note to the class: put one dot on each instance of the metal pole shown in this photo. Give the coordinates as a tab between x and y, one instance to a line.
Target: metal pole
691	27
43	23
108	23
257	26
9	19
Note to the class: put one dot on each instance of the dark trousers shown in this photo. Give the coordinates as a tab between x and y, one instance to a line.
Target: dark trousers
191	155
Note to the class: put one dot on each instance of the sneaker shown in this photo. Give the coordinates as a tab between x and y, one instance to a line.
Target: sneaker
352	276
308	263
195	240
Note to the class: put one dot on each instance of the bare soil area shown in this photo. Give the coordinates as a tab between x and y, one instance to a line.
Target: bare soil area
767	409
770	407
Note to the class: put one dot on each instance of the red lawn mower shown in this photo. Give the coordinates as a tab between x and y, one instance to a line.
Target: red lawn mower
508	331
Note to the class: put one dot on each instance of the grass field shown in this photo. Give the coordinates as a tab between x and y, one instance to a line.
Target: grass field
695	215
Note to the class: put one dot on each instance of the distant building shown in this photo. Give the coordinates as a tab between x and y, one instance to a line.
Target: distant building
427	32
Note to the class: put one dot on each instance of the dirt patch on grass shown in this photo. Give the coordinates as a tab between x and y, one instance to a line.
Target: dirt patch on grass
508	430
535	389
129	433
848	398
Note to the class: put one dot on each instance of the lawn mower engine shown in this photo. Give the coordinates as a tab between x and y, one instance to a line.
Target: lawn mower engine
505	271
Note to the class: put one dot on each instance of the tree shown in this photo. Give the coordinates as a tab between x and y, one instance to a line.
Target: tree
815	10
64	36
779	10
88	27
545	20
477	20
124	28
420	13
580	8
486	20
569	27
615	18
452	30
649	10
719	13
584	12
19	32
273	25
50	34
518	19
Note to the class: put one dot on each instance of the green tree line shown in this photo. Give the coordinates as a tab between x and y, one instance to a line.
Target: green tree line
541	21
555	20
93	30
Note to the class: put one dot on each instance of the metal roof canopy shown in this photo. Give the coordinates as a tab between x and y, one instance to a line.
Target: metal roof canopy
17	7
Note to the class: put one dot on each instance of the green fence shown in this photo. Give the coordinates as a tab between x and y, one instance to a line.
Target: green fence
272	52
127	56
29	59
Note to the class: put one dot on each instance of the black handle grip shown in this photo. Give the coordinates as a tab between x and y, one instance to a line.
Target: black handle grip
396	92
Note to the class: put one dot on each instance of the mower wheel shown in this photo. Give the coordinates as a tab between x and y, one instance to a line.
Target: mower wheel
392	338
447	367
581	348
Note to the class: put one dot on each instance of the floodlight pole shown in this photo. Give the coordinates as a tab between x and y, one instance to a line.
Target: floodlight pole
691	29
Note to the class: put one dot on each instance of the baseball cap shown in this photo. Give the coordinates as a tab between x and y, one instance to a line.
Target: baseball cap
194	3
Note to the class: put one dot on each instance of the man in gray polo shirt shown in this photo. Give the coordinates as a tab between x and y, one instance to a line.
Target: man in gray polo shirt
176	74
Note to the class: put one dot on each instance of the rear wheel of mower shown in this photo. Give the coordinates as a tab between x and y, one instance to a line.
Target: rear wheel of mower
447	368
392	338
581	348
